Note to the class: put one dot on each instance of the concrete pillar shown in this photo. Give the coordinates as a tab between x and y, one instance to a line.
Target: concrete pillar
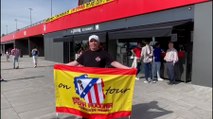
202	45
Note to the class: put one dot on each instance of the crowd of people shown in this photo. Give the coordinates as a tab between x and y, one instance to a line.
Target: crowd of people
15	53
151	56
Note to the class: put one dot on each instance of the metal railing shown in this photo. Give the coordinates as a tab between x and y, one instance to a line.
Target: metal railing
34	24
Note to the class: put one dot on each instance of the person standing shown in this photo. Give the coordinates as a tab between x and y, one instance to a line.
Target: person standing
171	58
15	52
7	55
179	68
35	56
137	58
157	62
147	55
96	57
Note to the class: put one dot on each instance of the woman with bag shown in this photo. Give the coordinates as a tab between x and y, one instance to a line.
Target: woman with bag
137	58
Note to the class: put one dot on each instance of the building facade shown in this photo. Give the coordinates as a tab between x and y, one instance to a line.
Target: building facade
121	24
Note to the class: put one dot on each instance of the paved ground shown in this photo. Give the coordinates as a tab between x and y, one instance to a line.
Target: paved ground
28	93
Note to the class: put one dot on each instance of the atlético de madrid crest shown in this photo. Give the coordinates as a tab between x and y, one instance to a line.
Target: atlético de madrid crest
91	89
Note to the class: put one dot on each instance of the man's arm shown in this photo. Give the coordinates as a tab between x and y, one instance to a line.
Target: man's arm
132	51
175	57
166	56
142	52
151	52
12	52
73	63
119	65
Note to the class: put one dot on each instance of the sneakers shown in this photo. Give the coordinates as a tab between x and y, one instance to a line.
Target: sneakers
160	79
172	83
136	78
149	81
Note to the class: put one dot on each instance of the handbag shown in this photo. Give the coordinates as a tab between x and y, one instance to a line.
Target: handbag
134	62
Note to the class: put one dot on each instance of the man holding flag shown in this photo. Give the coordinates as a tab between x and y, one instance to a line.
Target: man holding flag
91	91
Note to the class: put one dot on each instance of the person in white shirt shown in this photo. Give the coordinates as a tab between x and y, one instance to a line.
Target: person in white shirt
35	54
7	55
171	58
147	56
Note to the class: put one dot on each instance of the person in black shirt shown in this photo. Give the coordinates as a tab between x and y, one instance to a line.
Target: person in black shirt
96	57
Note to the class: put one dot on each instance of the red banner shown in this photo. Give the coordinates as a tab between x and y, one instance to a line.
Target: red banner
114	10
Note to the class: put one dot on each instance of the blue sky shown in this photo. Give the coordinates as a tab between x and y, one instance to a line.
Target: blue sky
19	9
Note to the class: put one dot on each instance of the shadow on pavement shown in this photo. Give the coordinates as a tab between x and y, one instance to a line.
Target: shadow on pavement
27	67
61	116
24	78
149	110
3	80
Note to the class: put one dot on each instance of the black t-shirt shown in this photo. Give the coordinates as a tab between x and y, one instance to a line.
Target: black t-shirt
99	58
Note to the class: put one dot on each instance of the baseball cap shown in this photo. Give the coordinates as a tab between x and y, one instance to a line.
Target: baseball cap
95	37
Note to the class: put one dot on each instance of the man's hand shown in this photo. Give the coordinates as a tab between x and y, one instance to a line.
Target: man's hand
73	63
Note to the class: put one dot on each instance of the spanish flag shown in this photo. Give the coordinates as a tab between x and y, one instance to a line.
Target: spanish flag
94	93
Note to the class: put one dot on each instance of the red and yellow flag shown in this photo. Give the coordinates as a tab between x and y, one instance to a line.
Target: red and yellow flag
94	93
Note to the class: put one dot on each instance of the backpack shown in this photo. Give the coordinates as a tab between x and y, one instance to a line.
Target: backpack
35	52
